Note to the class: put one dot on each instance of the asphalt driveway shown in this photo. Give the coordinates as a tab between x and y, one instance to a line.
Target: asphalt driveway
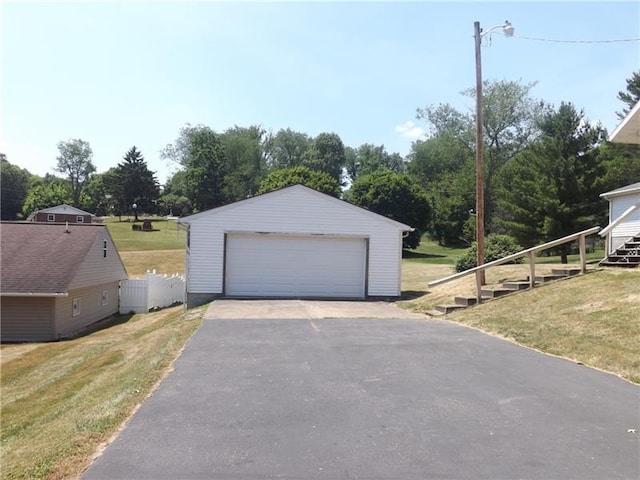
378	399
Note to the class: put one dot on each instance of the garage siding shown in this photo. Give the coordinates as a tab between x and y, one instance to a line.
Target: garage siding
292	211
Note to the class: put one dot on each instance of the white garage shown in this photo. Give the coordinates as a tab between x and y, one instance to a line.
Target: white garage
292	243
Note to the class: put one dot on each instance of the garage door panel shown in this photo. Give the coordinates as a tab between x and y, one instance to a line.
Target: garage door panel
292	266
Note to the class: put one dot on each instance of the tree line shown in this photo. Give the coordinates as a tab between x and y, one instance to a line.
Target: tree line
545	167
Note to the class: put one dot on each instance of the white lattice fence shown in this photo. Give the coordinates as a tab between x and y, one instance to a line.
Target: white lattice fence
140	295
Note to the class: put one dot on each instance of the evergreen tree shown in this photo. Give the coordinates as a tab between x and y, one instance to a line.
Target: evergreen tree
552	189
135	184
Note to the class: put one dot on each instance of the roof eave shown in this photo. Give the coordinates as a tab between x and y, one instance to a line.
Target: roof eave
629	129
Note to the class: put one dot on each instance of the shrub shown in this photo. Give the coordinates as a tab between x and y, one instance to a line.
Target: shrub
495	247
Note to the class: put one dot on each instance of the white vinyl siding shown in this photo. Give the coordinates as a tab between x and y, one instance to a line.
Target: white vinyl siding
292	211
295	266
630	226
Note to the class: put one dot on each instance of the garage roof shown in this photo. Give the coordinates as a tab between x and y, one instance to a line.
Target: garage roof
284	191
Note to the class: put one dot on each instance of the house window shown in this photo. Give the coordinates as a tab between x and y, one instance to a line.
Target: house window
79	219
75	307
105	297
51	217
104	249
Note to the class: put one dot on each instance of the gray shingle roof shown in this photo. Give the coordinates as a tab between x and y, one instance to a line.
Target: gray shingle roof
42	258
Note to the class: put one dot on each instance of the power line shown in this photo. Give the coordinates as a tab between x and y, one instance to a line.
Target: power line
578	41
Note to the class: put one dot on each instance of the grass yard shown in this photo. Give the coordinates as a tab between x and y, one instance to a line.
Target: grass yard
61	400
165	235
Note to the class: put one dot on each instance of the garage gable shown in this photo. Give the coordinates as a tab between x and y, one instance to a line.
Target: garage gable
296	204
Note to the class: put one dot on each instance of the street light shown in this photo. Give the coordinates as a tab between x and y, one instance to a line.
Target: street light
508	30
135	212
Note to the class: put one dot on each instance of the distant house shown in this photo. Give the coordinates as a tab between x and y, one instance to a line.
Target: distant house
61	214
292	243
56	279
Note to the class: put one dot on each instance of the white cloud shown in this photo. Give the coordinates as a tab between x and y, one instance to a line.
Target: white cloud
410	130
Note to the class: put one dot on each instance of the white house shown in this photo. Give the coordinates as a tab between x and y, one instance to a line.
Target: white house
294	243
624	215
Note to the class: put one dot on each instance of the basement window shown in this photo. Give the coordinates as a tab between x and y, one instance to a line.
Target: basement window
75	307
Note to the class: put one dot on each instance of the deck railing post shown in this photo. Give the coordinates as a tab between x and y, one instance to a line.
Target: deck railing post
532	269
583	254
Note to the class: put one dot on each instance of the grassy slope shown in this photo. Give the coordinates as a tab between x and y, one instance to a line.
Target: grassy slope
61	400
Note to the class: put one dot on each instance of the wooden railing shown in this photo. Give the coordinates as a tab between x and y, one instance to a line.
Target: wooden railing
529	252
612	225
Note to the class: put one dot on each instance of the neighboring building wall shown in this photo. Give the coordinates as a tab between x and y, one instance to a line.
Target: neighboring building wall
42	217
97	269
630	226
293	212
26	319
90	308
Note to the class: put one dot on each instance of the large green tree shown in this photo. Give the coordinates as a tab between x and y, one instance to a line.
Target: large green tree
46	192
368	158
14	186
135	184
510	124
75	162
552	189
444	165
396	196
286	148
326	155
200	151
245	160
286	177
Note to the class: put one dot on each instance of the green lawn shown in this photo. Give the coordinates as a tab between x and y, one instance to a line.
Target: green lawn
431	252
165	235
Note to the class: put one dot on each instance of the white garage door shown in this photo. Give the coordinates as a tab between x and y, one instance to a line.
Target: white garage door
291	266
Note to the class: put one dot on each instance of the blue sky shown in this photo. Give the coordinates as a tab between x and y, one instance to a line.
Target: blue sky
133	73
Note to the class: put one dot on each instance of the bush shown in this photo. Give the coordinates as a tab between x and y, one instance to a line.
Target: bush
495	247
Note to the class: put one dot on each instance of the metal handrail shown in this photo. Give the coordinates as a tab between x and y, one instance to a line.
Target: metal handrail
531	252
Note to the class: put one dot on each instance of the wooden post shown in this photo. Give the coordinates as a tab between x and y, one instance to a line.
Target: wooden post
583	254
479	284
532	269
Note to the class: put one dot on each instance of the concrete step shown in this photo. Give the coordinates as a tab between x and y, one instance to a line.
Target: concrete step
516	285
465	301
495	292
548	278
566	271
448	308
